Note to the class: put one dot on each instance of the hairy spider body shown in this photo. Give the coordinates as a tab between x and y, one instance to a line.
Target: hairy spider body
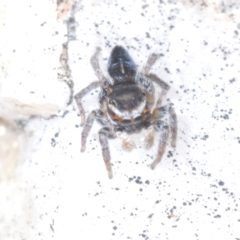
126	102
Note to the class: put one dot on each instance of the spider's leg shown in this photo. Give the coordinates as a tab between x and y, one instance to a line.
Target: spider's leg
78	97
104	134
147	86
146	83
149	138
100	117
151	60
127	144
173	125
159	102
153	77
87	129
164	134
95	65
161	112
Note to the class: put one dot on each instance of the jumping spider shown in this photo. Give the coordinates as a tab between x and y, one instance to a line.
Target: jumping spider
126	101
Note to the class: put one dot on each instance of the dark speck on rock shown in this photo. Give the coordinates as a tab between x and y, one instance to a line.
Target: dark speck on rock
226	116
138	181
221	183
205	137
53	142
150	216
147	35
166	69
147	182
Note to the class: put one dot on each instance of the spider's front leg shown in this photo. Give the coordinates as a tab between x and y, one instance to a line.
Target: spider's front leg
95	114
104	134
164	134
149	138
127	144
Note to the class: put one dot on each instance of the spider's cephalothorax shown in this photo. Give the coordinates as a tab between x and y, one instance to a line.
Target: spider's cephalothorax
126	103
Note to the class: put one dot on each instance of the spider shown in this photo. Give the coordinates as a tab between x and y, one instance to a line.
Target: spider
126	101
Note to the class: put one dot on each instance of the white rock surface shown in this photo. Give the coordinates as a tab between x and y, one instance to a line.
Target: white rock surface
193	193
31	45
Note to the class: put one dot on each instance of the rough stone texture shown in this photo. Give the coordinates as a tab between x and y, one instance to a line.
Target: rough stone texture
31	45
59	193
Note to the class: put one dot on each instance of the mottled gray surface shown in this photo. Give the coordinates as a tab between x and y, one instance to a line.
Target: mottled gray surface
192	193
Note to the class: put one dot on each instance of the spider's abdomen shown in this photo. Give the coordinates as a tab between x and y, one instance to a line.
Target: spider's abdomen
127	104
121	67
